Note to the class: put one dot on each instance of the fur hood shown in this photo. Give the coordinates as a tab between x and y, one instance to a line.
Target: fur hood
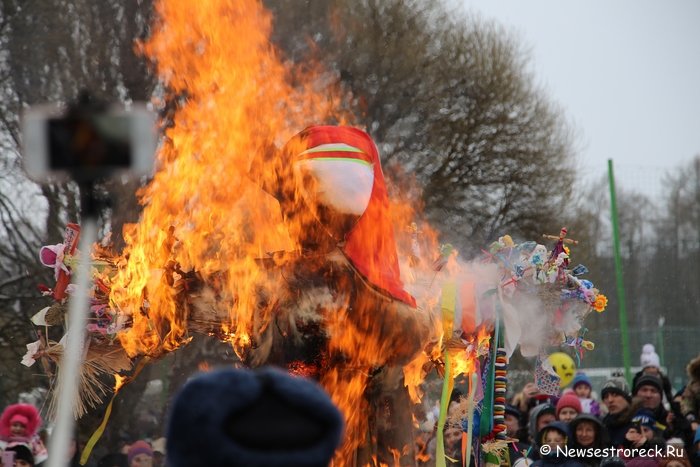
693	369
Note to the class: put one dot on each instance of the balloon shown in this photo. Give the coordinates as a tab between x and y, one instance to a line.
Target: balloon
564	367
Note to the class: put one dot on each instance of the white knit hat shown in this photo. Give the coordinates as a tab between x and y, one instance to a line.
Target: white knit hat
649	357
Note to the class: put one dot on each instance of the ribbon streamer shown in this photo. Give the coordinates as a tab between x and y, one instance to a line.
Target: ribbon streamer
449	302
89	446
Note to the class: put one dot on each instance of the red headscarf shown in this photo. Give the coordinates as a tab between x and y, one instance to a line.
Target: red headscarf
370	244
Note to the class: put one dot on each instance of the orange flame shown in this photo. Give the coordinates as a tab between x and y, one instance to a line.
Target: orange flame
237	103
118	382
205	211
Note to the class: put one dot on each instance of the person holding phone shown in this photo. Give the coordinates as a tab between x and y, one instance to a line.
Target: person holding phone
18	455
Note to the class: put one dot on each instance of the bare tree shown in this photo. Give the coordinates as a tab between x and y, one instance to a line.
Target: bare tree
676	259
449	99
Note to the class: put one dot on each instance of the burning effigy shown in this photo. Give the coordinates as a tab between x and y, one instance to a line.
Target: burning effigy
284	244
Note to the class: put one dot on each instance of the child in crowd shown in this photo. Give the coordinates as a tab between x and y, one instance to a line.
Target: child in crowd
583	389
568	407
140	454
19	424
21	454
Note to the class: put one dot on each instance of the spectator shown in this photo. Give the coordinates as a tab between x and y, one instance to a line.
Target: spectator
511	418
230	418
540	416
515	430
19	423
556	436
649	390
649	427
23	455
674	462
650	363
690	403
587	432
523	400
140	454
584	390
616	397
677	425
568	407
158	452
640	446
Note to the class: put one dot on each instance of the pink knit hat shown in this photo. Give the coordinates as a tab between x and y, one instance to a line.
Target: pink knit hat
139	447
569	400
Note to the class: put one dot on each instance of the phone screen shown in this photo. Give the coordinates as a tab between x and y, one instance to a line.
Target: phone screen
8	458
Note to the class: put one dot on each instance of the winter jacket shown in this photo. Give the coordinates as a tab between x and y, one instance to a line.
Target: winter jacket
617	424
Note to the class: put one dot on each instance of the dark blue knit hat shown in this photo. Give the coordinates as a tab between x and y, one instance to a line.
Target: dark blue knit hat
252	418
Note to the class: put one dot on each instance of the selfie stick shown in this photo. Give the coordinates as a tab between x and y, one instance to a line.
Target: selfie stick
69	383
87	160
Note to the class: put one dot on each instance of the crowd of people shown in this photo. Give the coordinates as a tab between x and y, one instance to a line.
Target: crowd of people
23	444
642	425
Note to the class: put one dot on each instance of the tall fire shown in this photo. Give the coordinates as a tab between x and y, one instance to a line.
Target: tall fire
268	225
224	197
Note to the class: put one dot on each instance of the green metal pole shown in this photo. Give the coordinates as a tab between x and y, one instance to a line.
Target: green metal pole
618	276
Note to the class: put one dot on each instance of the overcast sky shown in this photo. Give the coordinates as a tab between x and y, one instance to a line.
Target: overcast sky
626	72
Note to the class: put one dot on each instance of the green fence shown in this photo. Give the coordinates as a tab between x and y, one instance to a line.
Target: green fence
675	345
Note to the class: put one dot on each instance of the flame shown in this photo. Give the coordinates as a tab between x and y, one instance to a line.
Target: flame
119	381
237	101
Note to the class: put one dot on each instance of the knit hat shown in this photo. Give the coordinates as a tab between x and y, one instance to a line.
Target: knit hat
22	452
139	447
645	417
616	385
569	400
649	357
262	418
581	378
648	380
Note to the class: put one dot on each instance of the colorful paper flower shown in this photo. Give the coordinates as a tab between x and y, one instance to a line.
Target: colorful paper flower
601	301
